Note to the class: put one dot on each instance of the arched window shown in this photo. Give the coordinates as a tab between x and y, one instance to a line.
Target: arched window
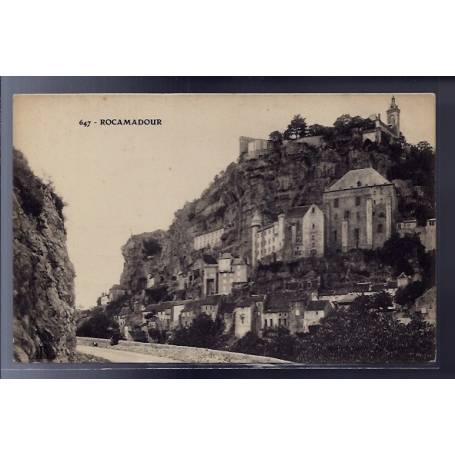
359	183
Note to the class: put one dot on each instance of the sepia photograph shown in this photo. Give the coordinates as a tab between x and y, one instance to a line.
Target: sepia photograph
254	229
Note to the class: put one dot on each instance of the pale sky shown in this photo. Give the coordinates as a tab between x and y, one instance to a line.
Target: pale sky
123	180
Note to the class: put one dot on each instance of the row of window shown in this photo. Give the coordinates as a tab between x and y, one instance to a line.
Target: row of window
282	322
379	230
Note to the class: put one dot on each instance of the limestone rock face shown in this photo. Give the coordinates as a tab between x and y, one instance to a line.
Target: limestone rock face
270	184
43	295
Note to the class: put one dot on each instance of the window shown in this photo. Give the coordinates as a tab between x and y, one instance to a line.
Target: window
335	217
335	235
357	201
347	214
335	203
265	323
359	183
381	215
312	209
380	228
312	226
358	215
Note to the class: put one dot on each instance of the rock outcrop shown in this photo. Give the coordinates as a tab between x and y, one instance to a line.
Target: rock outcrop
43	302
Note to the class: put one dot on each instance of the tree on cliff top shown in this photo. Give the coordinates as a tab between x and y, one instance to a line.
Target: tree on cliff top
296	129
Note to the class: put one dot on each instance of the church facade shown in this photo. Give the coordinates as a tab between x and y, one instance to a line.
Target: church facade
360	211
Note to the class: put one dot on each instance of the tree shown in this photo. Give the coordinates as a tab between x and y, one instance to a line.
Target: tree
276	137
407	296
368	337
203	333
296	129
401	253
382	301
98	325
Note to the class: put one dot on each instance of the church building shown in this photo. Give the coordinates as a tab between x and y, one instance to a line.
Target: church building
360	211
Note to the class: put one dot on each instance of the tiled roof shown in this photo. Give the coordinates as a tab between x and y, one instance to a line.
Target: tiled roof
297	212
281	301
317	305
359	178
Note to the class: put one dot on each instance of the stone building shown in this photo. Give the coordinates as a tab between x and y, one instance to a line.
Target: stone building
208	239
390	129
426	305
427	233
266	240
231	271
246	315
252	148
360	210
314	312
304	232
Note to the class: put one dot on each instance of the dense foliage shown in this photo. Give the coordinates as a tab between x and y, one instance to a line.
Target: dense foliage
98	325
203	333
362	334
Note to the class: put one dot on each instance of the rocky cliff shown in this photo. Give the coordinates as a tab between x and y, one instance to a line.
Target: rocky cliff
290	175
43	306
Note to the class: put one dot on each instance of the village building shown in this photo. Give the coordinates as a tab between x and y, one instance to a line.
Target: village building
189	314
116	292
252	148
103	299
314	312
231	271
210	277
403	280
426	305
427	233
304	232
391	129
246	315
208	239
360	210
266	240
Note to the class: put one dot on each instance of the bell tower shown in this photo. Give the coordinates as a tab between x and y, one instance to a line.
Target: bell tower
393	117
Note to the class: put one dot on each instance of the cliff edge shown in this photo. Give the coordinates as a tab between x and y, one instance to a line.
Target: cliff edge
43	295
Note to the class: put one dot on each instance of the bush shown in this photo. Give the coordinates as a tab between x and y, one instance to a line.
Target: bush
203	333
98	325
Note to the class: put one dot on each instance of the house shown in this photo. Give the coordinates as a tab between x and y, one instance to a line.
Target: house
209	306
208	239
314	312
403	280
115	292
246	315
251	148
427	233
231	271
266	241
426	305
189	313
104	299
304	232
360	210
283	309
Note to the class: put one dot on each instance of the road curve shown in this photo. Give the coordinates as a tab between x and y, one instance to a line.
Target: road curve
120	356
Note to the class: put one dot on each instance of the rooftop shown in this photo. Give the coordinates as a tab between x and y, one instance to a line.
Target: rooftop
359	178
317	305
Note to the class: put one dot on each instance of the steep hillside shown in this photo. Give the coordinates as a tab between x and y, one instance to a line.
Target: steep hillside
290	175
43	307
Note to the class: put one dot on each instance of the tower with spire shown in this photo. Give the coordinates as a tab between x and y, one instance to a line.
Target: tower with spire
393	117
